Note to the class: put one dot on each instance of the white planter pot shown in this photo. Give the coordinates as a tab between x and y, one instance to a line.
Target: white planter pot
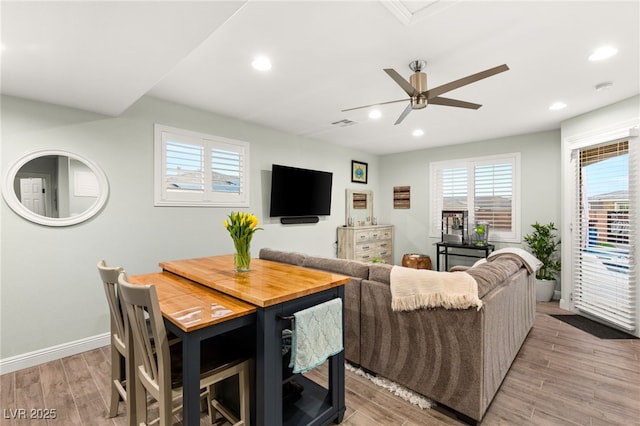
544	290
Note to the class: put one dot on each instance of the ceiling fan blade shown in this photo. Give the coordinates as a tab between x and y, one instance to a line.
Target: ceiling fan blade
430	94
379	103
453	103
406	86
406	112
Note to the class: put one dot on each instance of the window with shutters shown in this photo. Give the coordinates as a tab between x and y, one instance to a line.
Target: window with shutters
195	169
487	187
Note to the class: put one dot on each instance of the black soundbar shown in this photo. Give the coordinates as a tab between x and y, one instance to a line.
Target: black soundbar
299	219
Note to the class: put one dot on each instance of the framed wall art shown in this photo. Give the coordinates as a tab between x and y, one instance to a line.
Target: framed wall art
359	172
401	197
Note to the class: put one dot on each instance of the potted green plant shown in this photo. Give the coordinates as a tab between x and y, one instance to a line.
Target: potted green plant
544	244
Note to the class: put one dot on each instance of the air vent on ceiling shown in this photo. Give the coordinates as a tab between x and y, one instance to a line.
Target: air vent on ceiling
344	123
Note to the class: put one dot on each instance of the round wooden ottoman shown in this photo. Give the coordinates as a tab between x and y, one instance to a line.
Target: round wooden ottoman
416	261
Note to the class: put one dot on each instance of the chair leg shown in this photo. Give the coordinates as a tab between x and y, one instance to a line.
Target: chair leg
245	394
115	399
213	414
136	393
115	378
166	413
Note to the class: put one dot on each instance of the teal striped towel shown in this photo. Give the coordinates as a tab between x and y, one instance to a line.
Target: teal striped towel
317	335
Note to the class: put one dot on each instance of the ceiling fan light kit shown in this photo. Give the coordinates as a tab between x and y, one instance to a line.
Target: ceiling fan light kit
420	96
418	79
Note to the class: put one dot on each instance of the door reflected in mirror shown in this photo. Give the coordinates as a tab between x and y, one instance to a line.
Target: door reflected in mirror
55	188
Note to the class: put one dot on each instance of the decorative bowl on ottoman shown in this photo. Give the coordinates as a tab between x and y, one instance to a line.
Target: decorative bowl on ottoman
416	261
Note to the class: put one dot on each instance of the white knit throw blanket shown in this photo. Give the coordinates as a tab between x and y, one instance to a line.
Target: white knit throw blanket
422	288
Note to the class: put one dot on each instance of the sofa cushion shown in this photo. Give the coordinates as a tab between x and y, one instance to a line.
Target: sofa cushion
289	257
490	275
353	268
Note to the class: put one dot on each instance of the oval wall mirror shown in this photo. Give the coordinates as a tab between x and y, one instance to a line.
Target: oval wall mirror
55	187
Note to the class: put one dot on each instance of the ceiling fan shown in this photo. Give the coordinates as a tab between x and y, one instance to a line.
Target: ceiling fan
420	97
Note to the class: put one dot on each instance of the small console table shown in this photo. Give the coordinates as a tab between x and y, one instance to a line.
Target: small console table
443	248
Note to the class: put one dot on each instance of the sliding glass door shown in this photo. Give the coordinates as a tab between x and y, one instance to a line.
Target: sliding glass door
603	243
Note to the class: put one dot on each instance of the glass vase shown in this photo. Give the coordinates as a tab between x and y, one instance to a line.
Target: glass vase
242	257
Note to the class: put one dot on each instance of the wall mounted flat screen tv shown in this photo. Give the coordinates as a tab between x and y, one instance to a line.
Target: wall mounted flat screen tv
300	192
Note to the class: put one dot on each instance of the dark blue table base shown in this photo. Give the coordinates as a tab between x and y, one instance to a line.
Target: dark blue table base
316	406
191	360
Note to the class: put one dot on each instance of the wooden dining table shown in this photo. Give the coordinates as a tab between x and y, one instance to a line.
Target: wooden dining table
210	298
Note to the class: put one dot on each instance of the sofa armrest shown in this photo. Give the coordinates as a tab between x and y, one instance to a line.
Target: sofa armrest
509	316
352	321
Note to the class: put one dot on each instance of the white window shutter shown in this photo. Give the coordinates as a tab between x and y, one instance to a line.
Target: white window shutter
194	169
493	201
486	187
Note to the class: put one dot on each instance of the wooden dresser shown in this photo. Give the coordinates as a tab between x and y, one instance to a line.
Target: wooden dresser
366	243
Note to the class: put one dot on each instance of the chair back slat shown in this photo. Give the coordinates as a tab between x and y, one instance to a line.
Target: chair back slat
142	338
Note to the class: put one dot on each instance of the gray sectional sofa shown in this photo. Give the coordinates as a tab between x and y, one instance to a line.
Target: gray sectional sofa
457	358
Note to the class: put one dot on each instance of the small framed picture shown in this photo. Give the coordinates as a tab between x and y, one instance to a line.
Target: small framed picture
359	171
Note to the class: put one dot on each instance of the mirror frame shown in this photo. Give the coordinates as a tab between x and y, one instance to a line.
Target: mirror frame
12	200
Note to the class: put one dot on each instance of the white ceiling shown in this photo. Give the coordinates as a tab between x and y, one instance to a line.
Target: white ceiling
327	56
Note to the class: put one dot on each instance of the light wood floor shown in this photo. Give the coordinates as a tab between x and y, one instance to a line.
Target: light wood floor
562	376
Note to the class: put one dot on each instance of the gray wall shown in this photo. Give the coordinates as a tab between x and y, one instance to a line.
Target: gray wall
50	292
540	178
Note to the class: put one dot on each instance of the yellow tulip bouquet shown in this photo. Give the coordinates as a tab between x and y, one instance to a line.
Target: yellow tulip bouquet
241	227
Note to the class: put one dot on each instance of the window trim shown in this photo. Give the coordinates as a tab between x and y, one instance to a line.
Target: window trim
206	198
515	236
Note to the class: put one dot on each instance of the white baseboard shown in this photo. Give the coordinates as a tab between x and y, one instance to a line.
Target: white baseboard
565	304
30	359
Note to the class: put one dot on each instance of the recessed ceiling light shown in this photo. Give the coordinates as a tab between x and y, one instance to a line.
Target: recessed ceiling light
418	132
261	63
557	105
375	114
603	53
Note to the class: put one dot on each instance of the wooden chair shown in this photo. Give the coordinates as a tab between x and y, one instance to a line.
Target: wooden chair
153	369
119	347
119	350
